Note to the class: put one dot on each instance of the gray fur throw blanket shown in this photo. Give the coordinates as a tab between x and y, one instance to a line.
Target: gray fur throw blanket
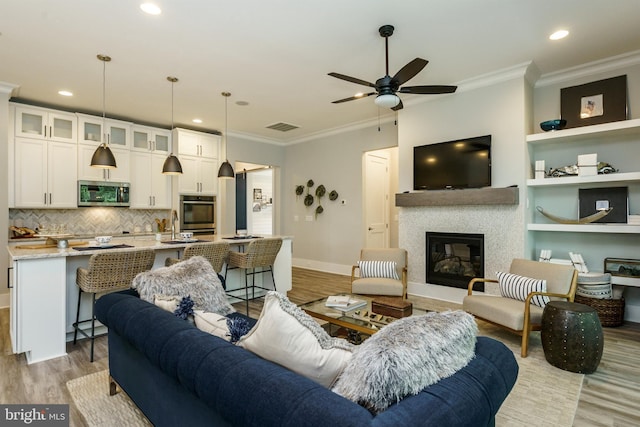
193	277
406	356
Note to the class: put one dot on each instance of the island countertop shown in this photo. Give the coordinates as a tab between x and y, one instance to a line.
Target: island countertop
137	243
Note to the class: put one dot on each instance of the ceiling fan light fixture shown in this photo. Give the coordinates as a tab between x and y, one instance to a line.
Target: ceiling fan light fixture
387	100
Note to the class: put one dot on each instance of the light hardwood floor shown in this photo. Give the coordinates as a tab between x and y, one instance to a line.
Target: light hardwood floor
609	397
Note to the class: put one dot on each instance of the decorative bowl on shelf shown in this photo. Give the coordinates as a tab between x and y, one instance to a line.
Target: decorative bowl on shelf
103	240
555	124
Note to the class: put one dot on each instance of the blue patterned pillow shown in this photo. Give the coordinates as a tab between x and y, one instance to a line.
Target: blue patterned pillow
386	269
519	287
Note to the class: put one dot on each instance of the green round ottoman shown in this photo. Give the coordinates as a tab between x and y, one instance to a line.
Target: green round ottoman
572	336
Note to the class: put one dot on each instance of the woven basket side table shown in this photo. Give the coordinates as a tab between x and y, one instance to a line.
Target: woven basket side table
572	336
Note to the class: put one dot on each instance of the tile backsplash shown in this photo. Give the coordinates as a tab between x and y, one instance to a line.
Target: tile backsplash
90	221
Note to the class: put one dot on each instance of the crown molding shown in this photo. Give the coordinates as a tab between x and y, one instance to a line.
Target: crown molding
346	128
8	88
613	63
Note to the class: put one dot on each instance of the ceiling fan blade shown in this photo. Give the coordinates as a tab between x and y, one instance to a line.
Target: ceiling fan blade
352	98
410	70
428	90
351	79
398	107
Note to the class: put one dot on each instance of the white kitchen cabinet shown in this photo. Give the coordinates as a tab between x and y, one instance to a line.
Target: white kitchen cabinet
86	172
37	324
150	189
616	143
145	138
198	154
42	123
91	131
45	174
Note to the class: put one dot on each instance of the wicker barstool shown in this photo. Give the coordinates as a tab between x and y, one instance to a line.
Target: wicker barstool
215	252
108	272
260	253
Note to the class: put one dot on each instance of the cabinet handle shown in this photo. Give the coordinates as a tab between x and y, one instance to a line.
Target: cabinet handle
49	198
154	200
9	278
50	131
45	131
45	198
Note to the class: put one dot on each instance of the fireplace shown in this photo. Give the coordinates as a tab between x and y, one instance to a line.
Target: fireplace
455	258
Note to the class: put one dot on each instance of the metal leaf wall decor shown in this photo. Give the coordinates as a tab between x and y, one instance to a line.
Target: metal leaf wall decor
319	192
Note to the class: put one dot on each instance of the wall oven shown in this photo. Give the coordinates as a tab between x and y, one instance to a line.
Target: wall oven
198	214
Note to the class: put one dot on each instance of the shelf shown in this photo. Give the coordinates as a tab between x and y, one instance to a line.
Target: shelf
593	179
626	281
475	196
587	228
613	129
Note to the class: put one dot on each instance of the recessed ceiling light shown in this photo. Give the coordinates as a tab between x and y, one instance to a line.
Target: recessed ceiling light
560	34
65	93
197	120
150	8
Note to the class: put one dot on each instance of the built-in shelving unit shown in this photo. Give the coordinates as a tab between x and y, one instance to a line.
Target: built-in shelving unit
617	143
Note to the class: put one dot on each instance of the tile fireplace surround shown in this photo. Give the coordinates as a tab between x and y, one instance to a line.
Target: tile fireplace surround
502	226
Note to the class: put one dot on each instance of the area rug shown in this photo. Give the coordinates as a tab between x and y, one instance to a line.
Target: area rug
543	395
90	394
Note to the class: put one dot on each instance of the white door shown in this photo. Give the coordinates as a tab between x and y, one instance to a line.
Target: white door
376	199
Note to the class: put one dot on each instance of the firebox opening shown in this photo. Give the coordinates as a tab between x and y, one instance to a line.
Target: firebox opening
453	259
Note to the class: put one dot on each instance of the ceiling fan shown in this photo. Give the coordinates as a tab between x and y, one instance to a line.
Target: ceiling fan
387	86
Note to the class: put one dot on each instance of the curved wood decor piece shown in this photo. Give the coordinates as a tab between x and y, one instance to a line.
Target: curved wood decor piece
586	220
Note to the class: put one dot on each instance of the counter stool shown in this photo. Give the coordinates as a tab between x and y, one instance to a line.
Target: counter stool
572	336
108	272
261	253
215	252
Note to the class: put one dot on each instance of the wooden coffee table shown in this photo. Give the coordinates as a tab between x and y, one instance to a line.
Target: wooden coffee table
360	320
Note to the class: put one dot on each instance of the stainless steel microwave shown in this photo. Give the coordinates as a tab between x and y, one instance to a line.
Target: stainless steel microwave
198	214
103	193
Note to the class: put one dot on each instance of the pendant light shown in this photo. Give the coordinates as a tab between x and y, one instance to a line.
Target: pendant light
172	165
103	157
226	170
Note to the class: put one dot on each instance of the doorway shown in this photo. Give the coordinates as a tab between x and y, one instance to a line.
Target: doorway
254	198
380	182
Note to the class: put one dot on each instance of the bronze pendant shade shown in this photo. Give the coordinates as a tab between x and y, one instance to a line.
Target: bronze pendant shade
171	164
103	158
226	170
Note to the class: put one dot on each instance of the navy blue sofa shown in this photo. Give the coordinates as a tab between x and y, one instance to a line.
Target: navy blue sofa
179	375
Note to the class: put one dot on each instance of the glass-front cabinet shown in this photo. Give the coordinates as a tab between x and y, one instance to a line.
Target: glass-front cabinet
42	123
151	139
115	132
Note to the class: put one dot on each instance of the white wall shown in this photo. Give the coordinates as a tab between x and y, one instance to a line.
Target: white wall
498	110
5	93
333	240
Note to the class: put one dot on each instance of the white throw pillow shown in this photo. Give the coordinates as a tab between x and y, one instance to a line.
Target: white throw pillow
519	287
385	269
212	323
286	335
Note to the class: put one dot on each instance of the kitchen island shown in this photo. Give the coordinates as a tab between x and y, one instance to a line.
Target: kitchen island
44	294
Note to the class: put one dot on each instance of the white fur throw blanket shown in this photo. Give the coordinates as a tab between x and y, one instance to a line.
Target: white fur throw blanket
192	277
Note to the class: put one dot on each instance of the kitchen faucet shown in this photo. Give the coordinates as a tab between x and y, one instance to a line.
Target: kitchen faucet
174	218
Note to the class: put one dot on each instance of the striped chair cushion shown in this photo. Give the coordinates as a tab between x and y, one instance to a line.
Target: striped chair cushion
519	287
386	269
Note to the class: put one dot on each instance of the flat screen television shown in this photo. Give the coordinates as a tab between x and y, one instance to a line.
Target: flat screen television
462	163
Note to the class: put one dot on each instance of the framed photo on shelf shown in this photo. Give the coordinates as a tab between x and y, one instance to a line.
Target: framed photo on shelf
622	267
592	200
602	101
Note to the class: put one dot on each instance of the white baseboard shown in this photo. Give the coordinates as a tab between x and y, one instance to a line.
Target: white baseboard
4	300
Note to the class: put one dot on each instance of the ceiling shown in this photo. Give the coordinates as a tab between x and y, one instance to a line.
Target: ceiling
275	55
